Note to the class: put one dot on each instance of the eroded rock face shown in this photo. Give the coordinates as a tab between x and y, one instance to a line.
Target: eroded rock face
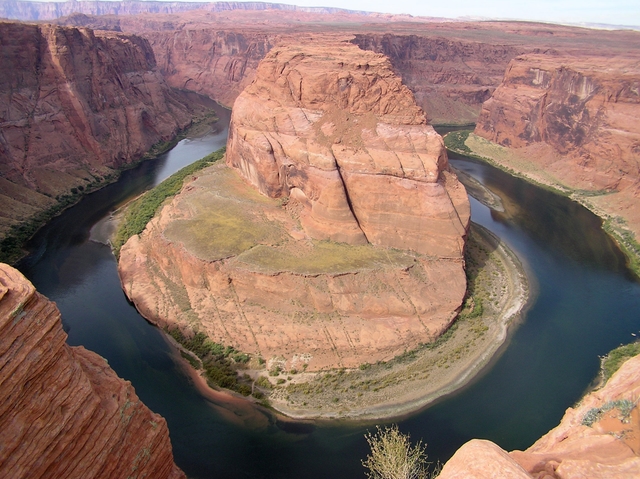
63	410
75	105
334	128
608	448
587	109
450	78
353	251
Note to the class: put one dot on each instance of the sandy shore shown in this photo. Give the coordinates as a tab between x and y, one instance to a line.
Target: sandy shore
409	383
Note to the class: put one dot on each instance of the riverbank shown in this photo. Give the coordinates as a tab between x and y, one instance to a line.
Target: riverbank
498	295
618	209
13	242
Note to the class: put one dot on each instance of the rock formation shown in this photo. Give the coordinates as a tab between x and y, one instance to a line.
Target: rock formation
63	411
450	78
586	109
344	156
598	439
333	127
75	106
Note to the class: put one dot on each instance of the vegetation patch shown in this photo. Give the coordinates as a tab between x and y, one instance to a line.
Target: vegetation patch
220	363
140	211
612	361
624	406
222	228
324	257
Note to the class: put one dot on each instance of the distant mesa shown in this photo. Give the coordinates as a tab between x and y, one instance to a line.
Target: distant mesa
351	252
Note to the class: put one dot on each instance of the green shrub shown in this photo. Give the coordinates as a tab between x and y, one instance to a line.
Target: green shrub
615	358
142	210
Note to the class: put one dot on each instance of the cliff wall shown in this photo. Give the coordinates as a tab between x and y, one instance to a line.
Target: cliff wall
333	127
586	109
75	106
599	439
63	410
216	63
450	78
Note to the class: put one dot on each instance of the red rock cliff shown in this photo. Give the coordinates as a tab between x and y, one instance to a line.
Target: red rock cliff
63	411
587	109
598	439
74	105
333	127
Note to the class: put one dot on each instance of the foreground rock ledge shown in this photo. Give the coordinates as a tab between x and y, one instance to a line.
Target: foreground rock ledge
63	411
609	448
353	252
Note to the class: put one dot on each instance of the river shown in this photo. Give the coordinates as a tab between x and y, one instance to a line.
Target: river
586	303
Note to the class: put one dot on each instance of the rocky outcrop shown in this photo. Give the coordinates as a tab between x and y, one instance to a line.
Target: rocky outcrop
598	439
216	63
450	78
353	254
63	410
75	106
333	127
586	109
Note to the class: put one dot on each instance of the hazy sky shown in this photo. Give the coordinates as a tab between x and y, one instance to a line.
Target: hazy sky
621	12
614	12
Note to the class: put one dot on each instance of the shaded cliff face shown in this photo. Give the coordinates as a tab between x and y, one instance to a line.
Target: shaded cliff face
304	274
333	127
63	410
450	78
75	105
218	64
599	439
586	109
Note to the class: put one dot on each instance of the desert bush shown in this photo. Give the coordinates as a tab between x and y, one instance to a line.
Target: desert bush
393	457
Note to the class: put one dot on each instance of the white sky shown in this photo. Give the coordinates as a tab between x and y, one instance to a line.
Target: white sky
614	12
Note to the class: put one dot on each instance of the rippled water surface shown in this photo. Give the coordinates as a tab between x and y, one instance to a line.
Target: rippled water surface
586	304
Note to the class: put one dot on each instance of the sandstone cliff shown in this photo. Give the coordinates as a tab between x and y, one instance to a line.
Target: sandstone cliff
336	143
333	127
586	109
75	106
450	78
63	411
598	439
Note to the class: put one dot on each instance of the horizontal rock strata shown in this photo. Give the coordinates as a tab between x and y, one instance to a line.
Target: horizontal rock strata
74	106
587	109
63	411
333	127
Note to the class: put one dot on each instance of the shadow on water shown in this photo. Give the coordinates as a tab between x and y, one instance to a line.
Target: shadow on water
586	305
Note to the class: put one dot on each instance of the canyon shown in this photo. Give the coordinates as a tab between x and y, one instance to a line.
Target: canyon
556	103
77	106
571	122
63	410
303	275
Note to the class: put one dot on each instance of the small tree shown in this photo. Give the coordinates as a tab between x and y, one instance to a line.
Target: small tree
393	457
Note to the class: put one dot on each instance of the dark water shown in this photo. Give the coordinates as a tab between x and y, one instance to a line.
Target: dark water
587	303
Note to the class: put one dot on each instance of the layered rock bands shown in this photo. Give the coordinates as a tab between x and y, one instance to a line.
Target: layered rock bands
586	109
74	106
63	411
353	252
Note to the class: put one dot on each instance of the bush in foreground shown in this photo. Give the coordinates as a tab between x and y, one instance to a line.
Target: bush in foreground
393	457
